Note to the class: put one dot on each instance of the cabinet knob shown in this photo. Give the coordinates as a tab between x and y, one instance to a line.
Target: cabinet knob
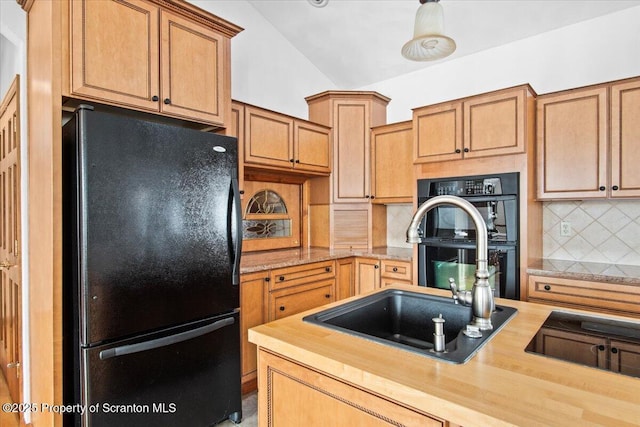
547	287
297	161
395	269
376	266
466	150
327	295
291	160
458	151
614	350
282	308
367	196
373	197
615	188
167	101
154	98
267	279
602	188
281	278
327	269
601	347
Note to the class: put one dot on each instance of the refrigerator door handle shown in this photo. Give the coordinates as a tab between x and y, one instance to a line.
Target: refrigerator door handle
237	249
165	341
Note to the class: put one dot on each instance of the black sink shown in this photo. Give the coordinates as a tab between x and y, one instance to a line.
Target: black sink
403	319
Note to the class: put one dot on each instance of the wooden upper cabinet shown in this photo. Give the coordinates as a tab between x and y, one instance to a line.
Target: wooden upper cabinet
490	124
268	138
110	64
589	142
193	70
625	139
169	58
572	144
392	179
351	115
437	131
275	140
312	147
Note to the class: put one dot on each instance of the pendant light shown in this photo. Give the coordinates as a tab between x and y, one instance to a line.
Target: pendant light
428	43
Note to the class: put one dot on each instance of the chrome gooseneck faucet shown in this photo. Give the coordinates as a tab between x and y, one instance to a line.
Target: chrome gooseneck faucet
481	296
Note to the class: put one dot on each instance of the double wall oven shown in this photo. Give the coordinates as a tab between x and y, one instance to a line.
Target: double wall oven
448	247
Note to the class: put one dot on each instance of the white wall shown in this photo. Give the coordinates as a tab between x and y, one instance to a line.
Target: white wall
590	52
267	70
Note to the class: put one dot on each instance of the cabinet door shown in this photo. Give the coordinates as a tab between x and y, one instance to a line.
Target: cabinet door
345	278
193	72
625	139
351	226
268	138
579	348
312	147
625	357
367	275
252	313
115	52
351	164
392	178
572	144
495	124
437	131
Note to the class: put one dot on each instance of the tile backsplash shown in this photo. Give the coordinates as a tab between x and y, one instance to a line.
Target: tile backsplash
398	219
604	231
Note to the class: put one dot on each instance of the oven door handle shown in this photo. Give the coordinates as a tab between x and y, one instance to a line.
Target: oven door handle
488	198
469	244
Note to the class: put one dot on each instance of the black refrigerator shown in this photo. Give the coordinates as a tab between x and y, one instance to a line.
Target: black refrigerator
151	255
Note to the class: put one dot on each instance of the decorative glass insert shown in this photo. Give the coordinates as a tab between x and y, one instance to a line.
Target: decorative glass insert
266	217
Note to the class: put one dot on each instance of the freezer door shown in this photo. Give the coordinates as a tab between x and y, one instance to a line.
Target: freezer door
182	377
155	225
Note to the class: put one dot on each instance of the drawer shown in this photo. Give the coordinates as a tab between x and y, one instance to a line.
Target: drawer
384	282
392	269
583	294
296	299
301	274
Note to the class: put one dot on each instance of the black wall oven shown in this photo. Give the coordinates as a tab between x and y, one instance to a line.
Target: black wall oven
448	242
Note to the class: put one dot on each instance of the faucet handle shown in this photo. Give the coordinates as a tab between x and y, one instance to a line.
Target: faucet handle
454	289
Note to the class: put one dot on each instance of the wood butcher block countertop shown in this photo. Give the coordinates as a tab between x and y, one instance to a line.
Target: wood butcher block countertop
501	385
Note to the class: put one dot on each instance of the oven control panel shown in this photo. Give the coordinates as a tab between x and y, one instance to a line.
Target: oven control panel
468	187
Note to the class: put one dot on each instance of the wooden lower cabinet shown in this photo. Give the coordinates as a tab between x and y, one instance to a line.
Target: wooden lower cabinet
373	273
295	395
252	313
575	347
367	275
616	298
288	301
345	278
625	357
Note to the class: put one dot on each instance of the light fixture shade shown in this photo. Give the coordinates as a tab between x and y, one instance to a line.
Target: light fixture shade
429	43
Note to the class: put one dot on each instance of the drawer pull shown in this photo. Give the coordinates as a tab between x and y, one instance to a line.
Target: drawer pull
282	308
395	269
327	295
547	287
281	278
327	269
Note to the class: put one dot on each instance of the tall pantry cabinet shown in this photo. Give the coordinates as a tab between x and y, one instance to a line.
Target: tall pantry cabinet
136	54
341	214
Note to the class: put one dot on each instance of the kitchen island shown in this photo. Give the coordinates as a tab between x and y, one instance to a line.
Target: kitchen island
317	376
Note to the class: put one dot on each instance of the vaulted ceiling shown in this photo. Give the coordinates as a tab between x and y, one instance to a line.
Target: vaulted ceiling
357	42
